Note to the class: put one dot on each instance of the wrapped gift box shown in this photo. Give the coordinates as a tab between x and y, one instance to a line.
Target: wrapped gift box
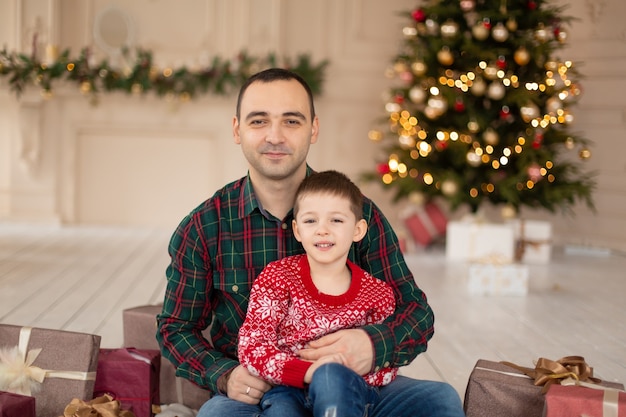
130	376
533	240
16	405
566	401
425	223
497	279
140	329
496	389
69	360
473	240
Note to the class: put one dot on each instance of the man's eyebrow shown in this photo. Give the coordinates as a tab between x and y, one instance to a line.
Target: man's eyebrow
295	114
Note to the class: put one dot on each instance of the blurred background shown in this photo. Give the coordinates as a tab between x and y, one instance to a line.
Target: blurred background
69	157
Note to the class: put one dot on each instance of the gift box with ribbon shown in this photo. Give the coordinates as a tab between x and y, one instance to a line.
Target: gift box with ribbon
576	398
492	276
533	241
140	332
54	366
130	376
16	405
425	223
497	389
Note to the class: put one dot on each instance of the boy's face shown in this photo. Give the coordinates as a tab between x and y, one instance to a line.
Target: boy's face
326	227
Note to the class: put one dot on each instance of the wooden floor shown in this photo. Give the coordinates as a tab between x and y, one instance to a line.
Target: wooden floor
81	279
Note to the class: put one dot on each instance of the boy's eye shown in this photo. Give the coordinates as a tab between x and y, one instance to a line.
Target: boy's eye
337	220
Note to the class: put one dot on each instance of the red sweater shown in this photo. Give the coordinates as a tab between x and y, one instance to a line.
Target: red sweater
286	311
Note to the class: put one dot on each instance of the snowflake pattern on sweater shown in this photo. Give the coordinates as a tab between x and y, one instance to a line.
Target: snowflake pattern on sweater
286	311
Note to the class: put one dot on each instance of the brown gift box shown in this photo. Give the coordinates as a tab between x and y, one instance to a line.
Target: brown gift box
140	329
70	360
15	405
498	390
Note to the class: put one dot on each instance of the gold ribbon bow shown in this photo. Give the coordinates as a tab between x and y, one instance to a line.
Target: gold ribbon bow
104	406
548	372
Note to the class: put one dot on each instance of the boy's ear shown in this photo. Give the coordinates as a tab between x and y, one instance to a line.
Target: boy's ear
359	230
296	234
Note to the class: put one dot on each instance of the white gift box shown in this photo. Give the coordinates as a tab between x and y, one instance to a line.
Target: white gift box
470	241
533	240
498	279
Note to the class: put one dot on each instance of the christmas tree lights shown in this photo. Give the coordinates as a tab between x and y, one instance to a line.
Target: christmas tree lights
479	110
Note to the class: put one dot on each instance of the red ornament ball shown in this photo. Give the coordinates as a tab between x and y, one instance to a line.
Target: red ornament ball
419	15
532	5
383	168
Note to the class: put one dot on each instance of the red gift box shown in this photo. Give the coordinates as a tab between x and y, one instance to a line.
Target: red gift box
15	405
588	400
130	376
426	223
140	329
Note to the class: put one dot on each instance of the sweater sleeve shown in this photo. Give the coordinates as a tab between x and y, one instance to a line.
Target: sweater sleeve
258	347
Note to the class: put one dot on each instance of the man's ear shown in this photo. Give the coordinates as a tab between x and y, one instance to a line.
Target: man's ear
360	228
236	137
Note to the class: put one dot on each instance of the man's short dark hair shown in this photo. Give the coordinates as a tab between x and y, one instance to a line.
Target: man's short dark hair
275	74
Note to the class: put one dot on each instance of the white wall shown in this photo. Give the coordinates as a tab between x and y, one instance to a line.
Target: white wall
147	161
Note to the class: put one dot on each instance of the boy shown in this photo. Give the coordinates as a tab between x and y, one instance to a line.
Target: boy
303	297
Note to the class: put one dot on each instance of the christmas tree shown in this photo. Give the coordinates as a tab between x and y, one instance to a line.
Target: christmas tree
479	108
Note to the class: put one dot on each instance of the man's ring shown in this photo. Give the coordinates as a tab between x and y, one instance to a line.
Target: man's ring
248	391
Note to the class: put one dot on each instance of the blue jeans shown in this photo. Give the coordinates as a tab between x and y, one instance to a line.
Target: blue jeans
335	390
404	397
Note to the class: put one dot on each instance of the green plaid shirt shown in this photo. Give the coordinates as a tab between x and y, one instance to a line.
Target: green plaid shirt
220	248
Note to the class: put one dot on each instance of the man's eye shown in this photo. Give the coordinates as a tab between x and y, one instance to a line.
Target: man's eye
293	122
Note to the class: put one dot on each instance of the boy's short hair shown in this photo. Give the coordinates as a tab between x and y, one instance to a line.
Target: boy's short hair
333	183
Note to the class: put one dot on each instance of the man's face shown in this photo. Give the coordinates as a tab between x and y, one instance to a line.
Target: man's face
275	128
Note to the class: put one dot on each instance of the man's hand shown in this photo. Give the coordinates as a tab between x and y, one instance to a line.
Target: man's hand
244	387
354	345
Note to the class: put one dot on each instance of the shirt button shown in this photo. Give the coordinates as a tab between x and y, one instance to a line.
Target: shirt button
284	226
377	369
235	288
386	364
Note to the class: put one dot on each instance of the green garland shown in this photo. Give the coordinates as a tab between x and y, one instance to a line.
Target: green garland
140	76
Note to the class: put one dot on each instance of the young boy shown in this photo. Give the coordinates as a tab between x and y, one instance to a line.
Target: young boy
303	297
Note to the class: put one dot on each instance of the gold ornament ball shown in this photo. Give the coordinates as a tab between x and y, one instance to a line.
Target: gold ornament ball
417	94
445	57
521	56
542	34
449	188
473	159
480	32
529	112
478	87
419	68
585	153
500	33
449	29
496	91
467	5
511	24
491	137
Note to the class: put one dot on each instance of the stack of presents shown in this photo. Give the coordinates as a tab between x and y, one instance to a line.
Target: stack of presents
54	373
498	254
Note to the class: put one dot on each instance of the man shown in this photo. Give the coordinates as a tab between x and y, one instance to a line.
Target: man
221	246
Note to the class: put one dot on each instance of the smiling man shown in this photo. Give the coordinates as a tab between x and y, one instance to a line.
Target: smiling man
219	249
